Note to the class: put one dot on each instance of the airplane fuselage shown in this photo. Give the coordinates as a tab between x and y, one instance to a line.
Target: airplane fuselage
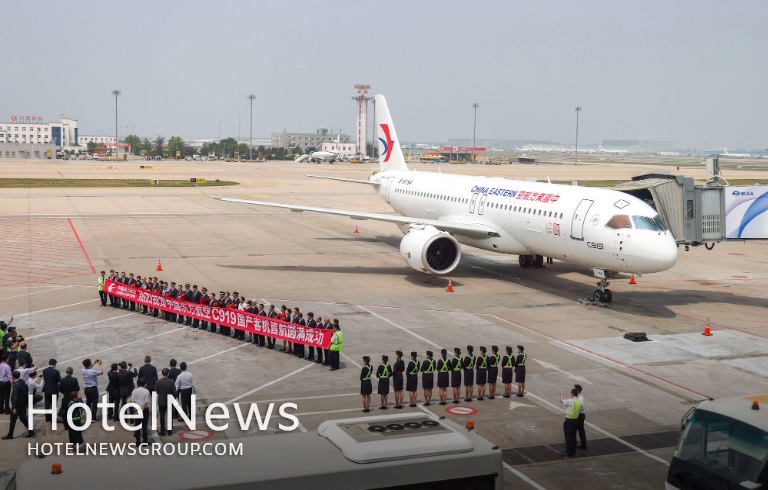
565	222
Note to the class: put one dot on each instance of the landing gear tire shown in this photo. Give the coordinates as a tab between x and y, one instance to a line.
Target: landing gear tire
598	296
538	261
608	296
526	261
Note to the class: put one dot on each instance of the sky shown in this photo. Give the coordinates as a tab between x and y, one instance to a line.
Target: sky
690	71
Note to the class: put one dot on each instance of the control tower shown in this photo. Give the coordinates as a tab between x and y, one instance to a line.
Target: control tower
362	99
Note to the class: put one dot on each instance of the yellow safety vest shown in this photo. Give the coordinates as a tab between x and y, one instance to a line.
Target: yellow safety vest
444	366
574	410
508	364
370	370
101	283
525	356
457	366
385	374
337	345
495	361
483	364
471	362
415	369
430	366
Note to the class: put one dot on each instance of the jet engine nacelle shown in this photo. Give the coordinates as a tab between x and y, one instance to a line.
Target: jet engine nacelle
427	249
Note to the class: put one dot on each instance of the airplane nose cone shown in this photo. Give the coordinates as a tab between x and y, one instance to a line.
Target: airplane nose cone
664	253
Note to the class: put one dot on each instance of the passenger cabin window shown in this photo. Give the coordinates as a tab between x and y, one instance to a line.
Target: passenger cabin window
619	222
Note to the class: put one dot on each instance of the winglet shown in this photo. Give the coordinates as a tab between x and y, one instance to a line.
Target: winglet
390	154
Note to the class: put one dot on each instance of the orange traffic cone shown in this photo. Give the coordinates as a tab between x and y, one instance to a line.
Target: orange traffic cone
159	265
356	230
632	279
450	286
707	330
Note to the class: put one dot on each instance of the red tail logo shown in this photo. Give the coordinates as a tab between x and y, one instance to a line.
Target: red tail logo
388	144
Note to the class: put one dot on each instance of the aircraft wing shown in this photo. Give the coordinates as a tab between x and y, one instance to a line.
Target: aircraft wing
341	179
466	229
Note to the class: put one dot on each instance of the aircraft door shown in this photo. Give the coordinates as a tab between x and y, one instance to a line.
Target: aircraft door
577	222
385	186
472	203
481	204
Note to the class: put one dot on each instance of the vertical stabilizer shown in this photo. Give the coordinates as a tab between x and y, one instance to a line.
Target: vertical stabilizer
390	154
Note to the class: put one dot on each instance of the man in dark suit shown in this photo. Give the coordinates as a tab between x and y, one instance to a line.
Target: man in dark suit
312	324
149	373
165	387
193	296
19	406
125	375
51	382
113	392
271	314
173	373
66	387
24	355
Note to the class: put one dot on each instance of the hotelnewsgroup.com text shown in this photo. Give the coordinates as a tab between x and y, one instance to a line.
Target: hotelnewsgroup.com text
45	449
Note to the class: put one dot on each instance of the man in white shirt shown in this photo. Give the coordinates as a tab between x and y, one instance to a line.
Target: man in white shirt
91	383
141	397
24	370
185	386
582	417
34	386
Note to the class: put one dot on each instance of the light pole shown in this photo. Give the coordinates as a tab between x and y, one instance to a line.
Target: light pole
474	132
250	144
116	93
578	109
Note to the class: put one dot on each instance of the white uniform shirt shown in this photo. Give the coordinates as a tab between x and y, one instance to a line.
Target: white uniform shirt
35	384
24	373
583	405
140	396
184	381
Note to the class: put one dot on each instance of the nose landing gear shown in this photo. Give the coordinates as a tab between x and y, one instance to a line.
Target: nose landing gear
602	294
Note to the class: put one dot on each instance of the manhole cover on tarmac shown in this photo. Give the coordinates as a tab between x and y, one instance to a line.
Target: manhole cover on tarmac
460	410
196	435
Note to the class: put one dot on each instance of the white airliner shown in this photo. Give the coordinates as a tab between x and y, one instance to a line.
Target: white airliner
734	155
605	230
600	149
326	156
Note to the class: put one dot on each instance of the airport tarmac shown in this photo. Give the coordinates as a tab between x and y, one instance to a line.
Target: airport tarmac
55	239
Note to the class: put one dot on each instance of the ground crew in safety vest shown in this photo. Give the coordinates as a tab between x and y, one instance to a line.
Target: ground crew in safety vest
482	373
102	293
507	371
384	373
469	374
443	376
397	379
428	377
520	370
412	379
493	371
571	423
337	343
456	365
365	383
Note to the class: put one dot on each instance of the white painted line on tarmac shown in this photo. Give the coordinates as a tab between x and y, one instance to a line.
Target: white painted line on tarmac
57	307
359	366
38	292
398	326
259	388
523	477
76	326
123	345
216	354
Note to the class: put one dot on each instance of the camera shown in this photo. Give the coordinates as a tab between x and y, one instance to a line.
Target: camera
20	338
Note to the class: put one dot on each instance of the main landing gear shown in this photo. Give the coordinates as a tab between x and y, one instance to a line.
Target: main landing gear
602	294
531	261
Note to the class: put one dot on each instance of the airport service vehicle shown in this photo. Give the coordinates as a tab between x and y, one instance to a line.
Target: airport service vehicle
602	229
397	451
724	445
432	157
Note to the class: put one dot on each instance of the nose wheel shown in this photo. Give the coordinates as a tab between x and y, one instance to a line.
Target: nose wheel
602	294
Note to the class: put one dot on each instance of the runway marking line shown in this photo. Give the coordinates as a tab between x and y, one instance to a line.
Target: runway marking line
79	242
76	326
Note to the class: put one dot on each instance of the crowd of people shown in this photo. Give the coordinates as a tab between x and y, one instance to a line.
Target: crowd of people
327	357
458	371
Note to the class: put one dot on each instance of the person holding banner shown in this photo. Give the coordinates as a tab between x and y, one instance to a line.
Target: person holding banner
337	343
102	294
271	314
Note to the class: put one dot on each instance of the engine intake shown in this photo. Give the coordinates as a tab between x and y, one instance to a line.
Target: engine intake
430	250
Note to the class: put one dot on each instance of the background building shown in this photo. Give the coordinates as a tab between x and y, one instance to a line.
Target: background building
102	140
345	149
32	129
306	140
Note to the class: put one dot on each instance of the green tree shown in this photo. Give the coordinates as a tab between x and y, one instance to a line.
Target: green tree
146	146
372	151
243	149
227	147
176	146
159	145
135	143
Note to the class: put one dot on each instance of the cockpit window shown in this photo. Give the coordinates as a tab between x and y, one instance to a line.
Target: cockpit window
645	223
619	222
662	226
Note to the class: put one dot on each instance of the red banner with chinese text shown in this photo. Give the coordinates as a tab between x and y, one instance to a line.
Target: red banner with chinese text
227	317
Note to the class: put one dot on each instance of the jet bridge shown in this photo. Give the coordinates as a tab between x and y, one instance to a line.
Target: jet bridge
704	214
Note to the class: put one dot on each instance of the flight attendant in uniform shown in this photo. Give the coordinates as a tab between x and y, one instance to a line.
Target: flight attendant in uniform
469	374
397	379
520	370
482	373
412	379
443	376
428	377
507	368
365	384
493	371
384	373
456	366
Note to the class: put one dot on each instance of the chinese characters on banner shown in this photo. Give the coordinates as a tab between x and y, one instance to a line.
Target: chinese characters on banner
228	317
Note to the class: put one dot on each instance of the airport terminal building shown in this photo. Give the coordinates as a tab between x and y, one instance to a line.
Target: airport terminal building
307	140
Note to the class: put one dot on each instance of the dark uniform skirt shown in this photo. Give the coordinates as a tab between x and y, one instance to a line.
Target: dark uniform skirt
397	382
493	374
412	382
506	375
455	379
443	380
520	374
366	388
469	377
428	381
482	376
384	386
